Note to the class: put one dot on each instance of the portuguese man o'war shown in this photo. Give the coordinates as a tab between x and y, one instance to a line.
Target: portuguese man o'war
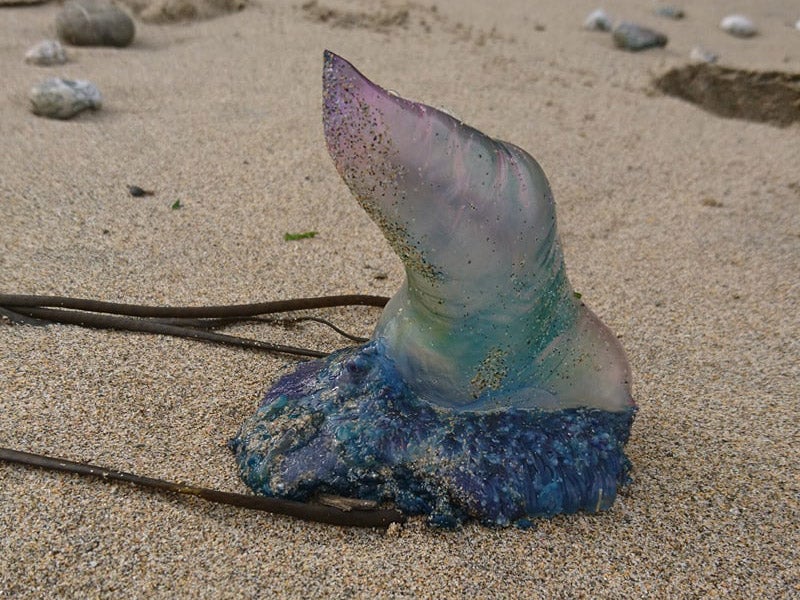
488	390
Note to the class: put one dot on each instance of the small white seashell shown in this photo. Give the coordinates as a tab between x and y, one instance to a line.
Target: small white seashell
598	20
797	25
46	53
699	54
64	98
738	25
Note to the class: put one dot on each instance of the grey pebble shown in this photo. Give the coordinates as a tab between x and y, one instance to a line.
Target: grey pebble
46	53
64	98
598	20
94	23
669	11
630	36
138	192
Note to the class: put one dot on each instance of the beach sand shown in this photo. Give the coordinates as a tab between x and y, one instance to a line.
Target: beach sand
681	230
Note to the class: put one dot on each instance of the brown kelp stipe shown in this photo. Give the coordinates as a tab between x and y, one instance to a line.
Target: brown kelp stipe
177	321
352	517
194	322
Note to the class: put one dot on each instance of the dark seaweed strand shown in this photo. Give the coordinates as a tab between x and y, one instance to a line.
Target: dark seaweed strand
340	331
106	321
31	310
18	319
221	323
355	517
233	310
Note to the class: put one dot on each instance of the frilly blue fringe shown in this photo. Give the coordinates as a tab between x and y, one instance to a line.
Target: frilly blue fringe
348	425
